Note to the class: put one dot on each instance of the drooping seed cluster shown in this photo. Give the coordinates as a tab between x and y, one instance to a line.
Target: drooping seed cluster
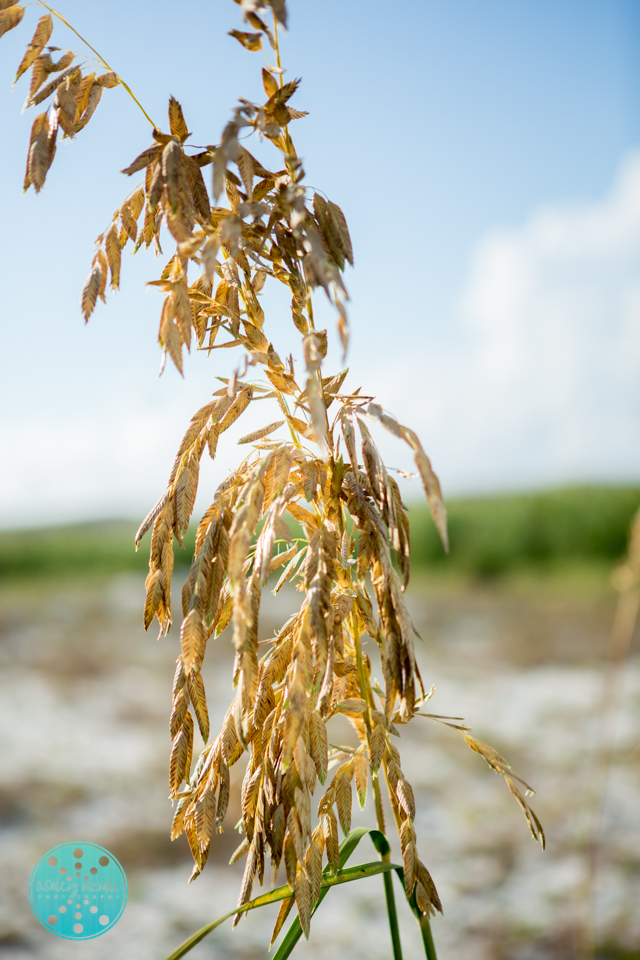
349	554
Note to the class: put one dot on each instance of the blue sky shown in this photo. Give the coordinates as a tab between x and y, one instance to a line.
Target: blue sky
462	139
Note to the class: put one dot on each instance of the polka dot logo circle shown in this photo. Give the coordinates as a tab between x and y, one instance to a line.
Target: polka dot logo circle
78	890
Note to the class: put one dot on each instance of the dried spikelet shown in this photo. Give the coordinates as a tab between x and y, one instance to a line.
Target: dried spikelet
178	712
177	123
409	855
302	892
83	95
361	774
377	746
40	155
114	254
344	796
42	67
263	432
108	79
10	17
430	893
177	825
404	793
319	745
37	44
283	913
180	761
205	818
332	840
313	862
199	701
91	290
93	100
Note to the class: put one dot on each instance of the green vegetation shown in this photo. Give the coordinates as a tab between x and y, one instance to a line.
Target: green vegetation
76	549
490	537
493	536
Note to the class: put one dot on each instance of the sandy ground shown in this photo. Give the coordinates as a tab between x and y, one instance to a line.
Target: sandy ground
84	701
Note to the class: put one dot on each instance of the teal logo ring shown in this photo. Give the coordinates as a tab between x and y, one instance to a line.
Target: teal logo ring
78	890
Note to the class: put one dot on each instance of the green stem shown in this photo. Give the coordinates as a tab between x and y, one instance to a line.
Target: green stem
386	857
281	893
427	938
100	58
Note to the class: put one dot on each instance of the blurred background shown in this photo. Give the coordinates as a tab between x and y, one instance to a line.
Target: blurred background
487	158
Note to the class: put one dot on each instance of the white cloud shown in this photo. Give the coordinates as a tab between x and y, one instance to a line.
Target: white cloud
111	459
543	384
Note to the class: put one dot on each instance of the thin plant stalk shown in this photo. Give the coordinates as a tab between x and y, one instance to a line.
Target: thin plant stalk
626	579
99	56
387	878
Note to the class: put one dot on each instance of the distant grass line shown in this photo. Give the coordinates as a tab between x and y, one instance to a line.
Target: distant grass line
490	537
83	548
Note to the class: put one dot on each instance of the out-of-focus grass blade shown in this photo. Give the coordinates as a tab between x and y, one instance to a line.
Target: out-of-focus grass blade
344	876
347	847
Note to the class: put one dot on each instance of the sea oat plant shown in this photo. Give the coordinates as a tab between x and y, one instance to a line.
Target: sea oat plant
350	554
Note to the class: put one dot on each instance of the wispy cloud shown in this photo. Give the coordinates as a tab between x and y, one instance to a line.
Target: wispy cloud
543	383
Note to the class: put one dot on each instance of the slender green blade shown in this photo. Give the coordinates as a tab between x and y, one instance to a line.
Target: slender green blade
344	876
347	847
423	922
